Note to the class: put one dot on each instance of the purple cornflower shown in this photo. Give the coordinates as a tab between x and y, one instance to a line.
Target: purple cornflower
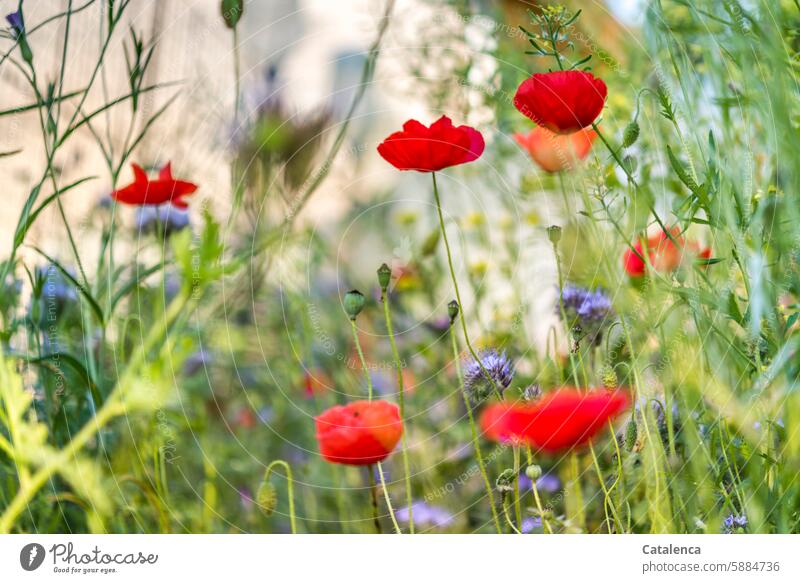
548	483
732	523
545	483
426	515
499	368
16	22
586	310
530	524
164	217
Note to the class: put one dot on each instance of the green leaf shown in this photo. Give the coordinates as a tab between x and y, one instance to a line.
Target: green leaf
28	217
82	290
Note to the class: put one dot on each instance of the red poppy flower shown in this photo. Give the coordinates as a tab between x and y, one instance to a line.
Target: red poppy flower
430	149
562	101
163	189
555	152
359	434
665	252
559	421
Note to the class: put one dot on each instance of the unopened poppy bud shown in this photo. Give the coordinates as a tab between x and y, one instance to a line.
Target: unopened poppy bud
609	377
452	310
267	498
232	11
384	276
534	472
554	234
630	434
353	303
505	481
631	134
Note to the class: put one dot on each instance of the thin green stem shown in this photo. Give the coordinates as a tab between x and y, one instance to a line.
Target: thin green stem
475	442
472	352
401	398
389	501
370	391
290	489
517	504
373	492
507	517
361	358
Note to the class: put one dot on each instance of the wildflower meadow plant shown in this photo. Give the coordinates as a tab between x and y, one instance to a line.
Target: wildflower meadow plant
574	276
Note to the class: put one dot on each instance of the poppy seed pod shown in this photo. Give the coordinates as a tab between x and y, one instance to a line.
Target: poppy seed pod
554	234
353	303
384	276
452	310
232	11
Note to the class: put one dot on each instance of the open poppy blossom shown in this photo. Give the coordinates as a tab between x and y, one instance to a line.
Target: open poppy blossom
665	251
556	152
360	433
561	101
163	189
559	421
428	149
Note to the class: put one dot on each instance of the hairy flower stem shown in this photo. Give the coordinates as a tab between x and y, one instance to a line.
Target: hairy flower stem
401	397
369	389
507	517
475	442
563	311
621	164
290	488
373	492
472	352
574	494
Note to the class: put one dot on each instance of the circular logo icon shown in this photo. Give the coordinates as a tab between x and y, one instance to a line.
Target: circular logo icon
31	556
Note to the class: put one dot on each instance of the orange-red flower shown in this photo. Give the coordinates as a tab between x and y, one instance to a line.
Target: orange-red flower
665	252
562	101
556	152
163	189
428	149
360	433
559	421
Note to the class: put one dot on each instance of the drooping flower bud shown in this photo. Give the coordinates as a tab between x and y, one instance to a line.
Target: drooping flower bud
384	276
631	134
505	481
630	434
452	311
267	498
609	377
353	303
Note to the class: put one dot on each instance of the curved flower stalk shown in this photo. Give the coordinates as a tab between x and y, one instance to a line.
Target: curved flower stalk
265	495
